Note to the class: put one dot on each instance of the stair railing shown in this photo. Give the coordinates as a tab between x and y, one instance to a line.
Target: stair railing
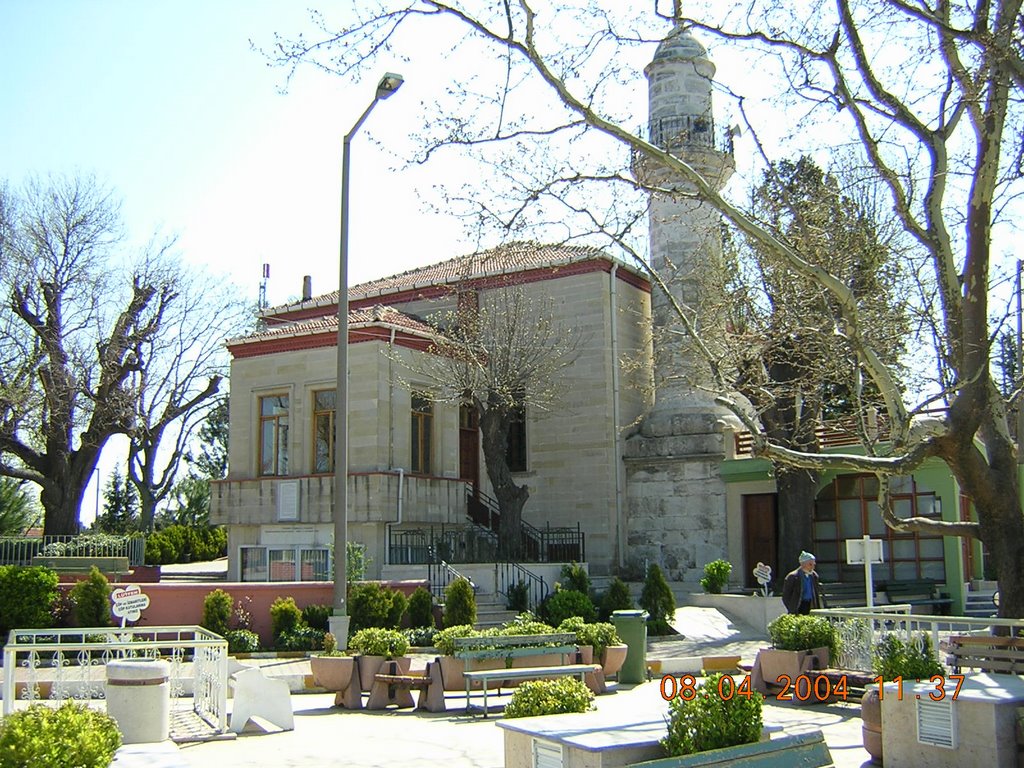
509	576
440	575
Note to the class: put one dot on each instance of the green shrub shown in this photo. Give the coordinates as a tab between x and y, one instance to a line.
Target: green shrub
599	634
242	641
444	640
317	616
372	605
420	637
713	719
421	608
331	645
399	605
375	641
71	736
92	600
549	697
27	597
716	576
566	603
217	606
657	599
459	603
894	658
183	543
518	597
300	638
575	576
617	598
794	632
284	616
525	624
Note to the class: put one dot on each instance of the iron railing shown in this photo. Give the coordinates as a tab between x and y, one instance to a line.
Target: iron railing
508	576
440	575
538	545
71	664
464	543
19	550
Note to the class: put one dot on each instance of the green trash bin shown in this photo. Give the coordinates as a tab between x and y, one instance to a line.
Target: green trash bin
632	628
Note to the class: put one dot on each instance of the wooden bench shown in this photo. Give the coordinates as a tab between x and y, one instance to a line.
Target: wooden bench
986	653
845	595
918	592
807	750
390	687
524	673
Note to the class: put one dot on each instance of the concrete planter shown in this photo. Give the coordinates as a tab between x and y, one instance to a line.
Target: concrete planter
613	658
452	669
772	664
338	674
871	729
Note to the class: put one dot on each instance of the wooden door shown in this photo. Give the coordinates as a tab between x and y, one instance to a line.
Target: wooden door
469	446
759	536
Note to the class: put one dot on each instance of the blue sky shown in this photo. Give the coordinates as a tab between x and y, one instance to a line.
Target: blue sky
167	102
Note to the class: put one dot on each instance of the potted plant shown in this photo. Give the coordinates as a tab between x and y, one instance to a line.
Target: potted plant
799	644
892	658
451	667
711	721
333	671
598	641
373	647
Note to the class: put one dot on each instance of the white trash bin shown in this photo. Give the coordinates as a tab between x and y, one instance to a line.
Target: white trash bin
139	699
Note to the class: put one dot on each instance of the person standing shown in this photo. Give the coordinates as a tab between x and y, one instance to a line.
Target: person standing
801	589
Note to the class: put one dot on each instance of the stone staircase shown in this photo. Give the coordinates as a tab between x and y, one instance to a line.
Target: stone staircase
491	610
978	604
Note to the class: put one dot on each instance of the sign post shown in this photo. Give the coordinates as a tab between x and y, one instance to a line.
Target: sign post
128	603
866	551
763	574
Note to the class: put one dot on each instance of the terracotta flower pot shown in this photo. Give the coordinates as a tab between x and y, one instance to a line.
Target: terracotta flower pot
368	667
613	658
332	672
772	664
871	729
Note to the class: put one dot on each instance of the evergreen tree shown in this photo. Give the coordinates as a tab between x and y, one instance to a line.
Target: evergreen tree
120	506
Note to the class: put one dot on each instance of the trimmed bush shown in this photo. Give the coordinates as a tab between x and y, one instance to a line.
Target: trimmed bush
318	616
92	600
791	632
421	608
373	605
599	634
716	576
285	616
444	640
518	597
242	641
617	598
420	637
659	602
217	607
713	719
549	697
300	638
399	604
894	658
375	641
575	576
566	603
459	603
27	597
71	736
525	624
183	544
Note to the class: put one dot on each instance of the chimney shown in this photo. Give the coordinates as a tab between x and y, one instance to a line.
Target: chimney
307	288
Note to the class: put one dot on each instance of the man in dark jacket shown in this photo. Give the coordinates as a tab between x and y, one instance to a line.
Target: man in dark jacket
800	589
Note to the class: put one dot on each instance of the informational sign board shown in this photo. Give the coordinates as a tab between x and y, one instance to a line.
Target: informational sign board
865	550
763	573
129	602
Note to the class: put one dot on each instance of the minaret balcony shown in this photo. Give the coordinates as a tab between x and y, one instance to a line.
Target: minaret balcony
675	133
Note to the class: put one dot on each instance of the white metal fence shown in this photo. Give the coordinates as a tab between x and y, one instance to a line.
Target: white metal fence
71	664
19	550
861	629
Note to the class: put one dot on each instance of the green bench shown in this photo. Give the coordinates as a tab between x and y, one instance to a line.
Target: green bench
918	592
807	750
845	595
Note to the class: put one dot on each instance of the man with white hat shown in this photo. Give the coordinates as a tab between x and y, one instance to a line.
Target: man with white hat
800	589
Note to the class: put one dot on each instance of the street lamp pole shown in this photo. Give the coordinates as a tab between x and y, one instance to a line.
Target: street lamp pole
339	622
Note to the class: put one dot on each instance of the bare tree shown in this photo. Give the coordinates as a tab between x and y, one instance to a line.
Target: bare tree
929	97
504	355
79	328
180	372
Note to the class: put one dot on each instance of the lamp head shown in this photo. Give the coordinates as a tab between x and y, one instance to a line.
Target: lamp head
388	84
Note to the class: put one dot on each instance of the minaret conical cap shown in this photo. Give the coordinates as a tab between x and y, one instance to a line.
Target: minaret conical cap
680	44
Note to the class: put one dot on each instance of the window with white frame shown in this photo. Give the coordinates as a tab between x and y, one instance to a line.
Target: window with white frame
287	563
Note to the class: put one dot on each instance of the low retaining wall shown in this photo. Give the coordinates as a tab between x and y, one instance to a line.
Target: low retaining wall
174	604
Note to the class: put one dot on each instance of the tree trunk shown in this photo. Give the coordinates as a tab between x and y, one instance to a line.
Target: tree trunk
797	489
494	428
64	489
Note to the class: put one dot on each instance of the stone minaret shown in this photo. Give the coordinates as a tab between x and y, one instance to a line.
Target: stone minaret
676	499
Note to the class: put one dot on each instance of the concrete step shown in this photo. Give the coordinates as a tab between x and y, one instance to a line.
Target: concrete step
979	604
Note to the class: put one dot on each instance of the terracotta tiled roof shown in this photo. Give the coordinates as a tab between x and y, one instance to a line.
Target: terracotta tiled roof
505	259
358	318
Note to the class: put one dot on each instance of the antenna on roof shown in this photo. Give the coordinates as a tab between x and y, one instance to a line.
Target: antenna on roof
262	303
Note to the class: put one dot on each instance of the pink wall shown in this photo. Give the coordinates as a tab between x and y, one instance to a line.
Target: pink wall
182	603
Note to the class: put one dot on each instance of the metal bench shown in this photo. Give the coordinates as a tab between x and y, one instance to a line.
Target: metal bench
1001	654
918	592
807	750
845	595
524	673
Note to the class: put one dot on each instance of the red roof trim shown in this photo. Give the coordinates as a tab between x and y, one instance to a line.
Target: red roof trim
320	340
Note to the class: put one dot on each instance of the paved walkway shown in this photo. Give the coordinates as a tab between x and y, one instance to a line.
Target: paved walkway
325	736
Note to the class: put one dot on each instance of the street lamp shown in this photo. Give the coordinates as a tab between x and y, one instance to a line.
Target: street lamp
339	622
